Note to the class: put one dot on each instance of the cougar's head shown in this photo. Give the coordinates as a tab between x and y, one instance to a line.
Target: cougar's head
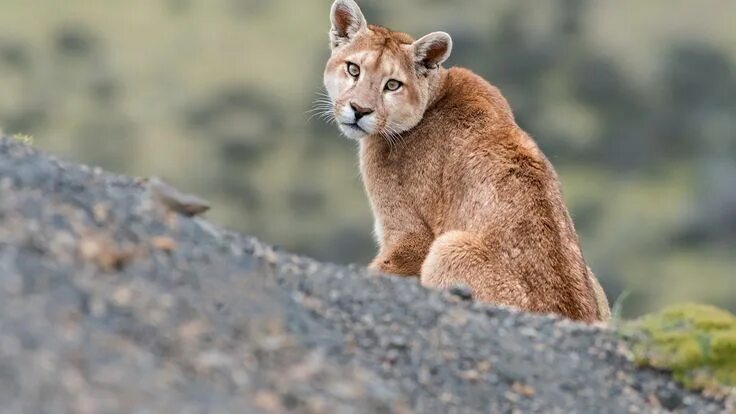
379	81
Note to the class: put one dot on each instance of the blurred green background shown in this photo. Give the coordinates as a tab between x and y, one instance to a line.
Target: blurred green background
633	101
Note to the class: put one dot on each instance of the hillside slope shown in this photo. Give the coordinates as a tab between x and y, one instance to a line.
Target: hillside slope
110	304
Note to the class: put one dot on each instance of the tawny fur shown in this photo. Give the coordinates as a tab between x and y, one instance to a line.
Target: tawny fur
460	193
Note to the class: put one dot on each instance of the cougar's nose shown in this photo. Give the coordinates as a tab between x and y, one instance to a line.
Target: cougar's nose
360	111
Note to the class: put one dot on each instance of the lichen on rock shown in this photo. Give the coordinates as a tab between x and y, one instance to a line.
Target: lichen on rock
696	342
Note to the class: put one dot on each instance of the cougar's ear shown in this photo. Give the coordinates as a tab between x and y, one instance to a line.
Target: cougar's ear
432	50
347	20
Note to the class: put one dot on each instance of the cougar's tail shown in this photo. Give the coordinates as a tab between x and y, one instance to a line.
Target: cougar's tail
604	309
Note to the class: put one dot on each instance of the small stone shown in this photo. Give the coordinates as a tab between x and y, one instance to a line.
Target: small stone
100	212
163	243
105	253
268	401
446	397
270	255
462	291
122	296
186	204
523	389
192	330
670	399
484	366
511	396
471	375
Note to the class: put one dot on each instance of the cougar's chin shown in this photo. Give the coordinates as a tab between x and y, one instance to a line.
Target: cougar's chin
353	130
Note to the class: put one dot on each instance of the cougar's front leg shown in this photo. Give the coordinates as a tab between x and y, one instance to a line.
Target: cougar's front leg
402	255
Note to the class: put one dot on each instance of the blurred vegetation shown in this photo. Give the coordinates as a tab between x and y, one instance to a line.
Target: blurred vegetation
634	102
24	138
696	342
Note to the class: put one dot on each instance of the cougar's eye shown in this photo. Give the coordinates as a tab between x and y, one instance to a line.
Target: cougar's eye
353	69
393	85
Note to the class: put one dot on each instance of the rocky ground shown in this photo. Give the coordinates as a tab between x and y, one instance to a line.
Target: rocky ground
110	302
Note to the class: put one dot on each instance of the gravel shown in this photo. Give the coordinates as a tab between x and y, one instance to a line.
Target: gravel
111	303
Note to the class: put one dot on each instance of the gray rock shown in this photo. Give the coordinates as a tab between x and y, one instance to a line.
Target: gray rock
109	304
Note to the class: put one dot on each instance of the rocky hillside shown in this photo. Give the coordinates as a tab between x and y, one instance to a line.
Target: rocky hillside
110	301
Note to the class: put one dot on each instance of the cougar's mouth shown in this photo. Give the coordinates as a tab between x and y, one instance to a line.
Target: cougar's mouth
354	126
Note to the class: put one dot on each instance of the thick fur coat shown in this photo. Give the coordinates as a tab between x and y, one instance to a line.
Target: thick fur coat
460	193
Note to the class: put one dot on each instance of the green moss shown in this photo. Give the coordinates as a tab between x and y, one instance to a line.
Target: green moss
697	343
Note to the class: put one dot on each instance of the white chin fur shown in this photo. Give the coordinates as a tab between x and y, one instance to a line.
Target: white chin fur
352	133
